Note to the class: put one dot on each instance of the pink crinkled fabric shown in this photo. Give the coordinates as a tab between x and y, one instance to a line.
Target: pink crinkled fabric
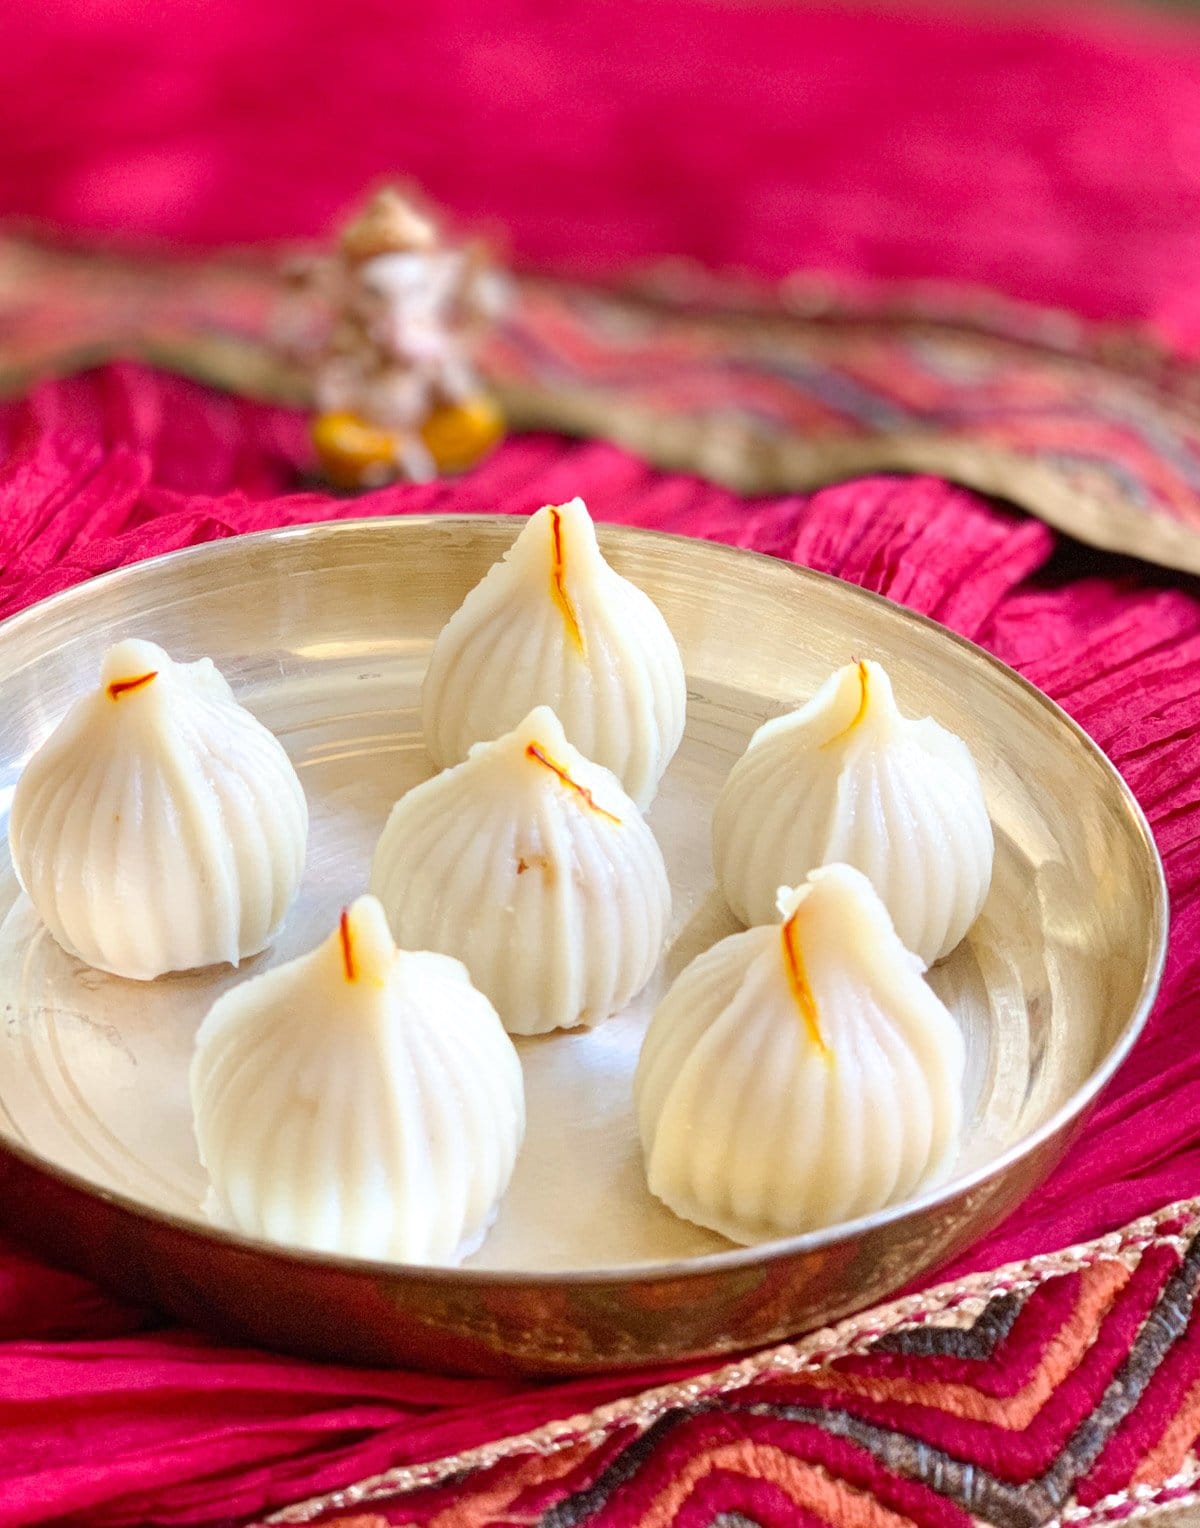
109	1417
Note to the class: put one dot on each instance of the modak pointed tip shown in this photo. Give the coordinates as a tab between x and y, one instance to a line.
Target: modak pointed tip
364	942
541	725
538	753
129	660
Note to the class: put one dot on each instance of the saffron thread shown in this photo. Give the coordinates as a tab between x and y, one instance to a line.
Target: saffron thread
347	945
798	981
535	751
121	687
558	567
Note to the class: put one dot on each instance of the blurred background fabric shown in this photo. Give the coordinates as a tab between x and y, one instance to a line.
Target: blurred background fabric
1050	152
944	164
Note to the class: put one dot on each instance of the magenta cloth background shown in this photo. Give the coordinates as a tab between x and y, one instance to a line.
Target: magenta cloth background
1056	161
1055	156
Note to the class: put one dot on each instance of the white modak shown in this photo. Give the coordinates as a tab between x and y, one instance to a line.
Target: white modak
531	865
361	1100
800	1074
848	779
552	624
160	827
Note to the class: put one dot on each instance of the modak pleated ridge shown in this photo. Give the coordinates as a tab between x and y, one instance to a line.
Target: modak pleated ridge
360	1100
531	865
801	1073
848	779
160	827
553	624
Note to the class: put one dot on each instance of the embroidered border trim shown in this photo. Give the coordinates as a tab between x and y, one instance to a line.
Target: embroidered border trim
815	1384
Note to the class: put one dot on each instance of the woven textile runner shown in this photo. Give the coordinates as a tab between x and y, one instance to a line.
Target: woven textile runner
1091	427
1065	1388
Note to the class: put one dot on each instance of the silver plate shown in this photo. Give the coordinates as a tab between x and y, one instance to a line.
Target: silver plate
324	632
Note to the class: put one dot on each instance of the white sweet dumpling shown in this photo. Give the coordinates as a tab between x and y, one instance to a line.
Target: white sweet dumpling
847	779
360	1100
160	827
552	624
800	1075
531	865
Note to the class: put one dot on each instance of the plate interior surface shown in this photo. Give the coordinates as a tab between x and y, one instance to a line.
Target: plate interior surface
324	632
